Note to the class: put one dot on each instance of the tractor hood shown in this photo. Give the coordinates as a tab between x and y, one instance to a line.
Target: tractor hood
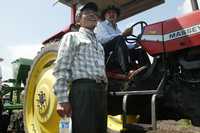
127	7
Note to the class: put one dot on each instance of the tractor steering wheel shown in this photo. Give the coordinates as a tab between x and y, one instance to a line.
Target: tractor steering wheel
135	38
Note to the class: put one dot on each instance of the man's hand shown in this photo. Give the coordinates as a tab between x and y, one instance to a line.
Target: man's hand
128	31
64	109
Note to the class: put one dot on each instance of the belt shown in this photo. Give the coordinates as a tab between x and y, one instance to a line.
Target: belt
97	81
100	81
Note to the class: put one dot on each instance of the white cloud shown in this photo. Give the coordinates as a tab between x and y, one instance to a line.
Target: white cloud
12	52
185	7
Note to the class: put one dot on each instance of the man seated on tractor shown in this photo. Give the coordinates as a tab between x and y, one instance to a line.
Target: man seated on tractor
109	35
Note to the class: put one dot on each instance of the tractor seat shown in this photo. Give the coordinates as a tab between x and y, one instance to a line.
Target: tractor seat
125	77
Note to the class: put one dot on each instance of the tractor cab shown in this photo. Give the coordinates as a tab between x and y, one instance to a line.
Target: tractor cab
128	8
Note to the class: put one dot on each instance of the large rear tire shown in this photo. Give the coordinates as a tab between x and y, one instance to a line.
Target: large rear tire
40	114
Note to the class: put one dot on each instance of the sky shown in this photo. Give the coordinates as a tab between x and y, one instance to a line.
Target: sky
25	24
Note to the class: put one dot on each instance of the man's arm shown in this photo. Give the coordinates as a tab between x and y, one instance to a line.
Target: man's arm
128	31
62	71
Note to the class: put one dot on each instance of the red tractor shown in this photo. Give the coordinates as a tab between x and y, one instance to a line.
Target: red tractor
171	82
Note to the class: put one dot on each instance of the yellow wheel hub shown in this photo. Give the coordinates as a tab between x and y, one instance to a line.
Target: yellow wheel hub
43	101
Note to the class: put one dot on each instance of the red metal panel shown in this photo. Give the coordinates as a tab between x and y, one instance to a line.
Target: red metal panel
152	47
153	29
190	22
178	33
181	22
182	43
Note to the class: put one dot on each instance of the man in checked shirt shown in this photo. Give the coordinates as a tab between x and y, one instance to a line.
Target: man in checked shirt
81	61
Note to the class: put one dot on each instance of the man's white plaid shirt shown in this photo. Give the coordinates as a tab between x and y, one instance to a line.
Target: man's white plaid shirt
80	56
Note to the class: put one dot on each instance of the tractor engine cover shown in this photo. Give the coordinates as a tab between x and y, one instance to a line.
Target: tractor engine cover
172	35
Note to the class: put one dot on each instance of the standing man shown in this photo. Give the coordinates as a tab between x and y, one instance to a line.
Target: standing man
111	37
81	61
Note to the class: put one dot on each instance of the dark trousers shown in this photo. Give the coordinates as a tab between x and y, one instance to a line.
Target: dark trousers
120	54
89	106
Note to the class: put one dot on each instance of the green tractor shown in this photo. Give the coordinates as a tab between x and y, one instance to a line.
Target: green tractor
11	95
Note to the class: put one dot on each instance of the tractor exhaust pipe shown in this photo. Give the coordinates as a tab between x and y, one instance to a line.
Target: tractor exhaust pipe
194	4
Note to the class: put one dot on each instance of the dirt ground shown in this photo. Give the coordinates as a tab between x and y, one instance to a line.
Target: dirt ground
171	126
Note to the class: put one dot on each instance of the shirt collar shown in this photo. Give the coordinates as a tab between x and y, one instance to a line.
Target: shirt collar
109	23
86	31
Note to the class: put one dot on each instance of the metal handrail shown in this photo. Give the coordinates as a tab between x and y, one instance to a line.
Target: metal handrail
154	94
143	92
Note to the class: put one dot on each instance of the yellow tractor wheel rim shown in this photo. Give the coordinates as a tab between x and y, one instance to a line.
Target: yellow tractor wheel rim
40	102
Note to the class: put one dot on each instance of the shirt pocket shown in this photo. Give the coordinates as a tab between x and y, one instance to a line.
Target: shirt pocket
83	49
